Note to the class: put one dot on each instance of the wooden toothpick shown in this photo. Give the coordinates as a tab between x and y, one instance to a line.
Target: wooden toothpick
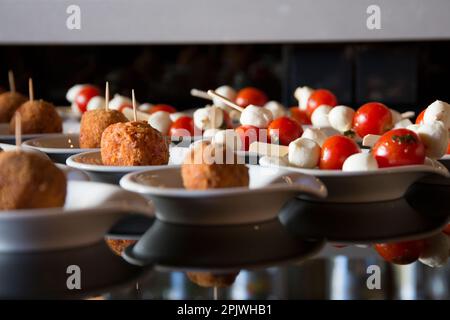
200	94
12	84
30	89
228	102
18	131
107	96
133	99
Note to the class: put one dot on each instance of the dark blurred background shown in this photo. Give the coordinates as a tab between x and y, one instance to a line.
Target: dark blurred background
402	75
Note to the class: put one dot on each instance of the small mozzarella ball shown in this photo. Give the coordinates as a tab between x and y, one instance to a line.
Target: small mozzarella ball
256	116
96	103
360	162
276	108
315	134
396	116
435	138
228	138
209	133
160	120
341	118
435	253
176	115
73	92
437	111
302	94
274	161
304	153
145	107
404	123
119	101
208	117
226	91
319	117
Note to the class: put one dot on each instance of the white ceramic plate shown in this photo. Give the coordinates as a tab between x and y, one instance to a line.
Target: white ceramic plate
368	186
91	163
7	137
58	147
91	209
269	190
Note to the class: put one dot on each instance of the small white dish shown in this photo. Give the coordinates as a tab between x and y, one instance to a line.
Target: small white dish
7	137
368	186
91	163
268	191
58	147
91	209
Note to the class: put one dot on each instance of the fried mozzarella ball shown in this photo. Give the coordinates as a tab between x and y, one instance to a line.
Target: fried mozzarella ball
256	116
119	245
341	118
94	122
160	120
133	144
277	109
30	181
304	153
9	103
37	116
210	280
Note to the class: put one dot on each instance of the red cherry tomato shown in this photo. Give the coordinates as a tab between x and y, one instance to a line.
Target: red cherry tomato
299	115
448	149
182	127
319	97
84	95
399	147
248	135
283	130
335	150
162	107
401	252
250	95
419	119
227	122
447	229
372	118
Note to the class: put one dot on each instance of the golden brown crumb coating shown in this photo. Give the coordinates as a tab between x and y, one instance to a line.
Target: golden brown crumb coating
119	245
29	181
133	144
9	103
94	122
38	116
200	171
209	279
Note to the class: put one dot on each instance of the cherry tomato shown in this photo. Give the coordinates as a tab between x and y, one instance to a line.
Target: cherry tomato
299	115
250	95
84	95
399	147
419	119
447	229
448	149
401	252
162	107
335	150
227	122
372	118
182	127
319	97
283	130
248	135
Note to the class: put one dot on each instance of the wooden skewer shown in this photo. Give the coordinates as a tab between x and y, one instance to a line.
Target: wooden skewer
18	130
107	96
369	140
408	114
30	89
200	94
133	99
228	102
12	84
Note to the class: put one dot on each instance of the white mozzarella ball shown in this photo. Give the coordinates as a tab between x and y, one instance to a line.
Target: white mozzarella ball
435	138
304	153
277	109
360	162
145	107
274	161
160	120
96	103
437	111
209	133
404	123
228	138
119	101
73	92
396	116
435	253
176	115
319	117
341	118
256	116
226	91
208	117
315	134
302	94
